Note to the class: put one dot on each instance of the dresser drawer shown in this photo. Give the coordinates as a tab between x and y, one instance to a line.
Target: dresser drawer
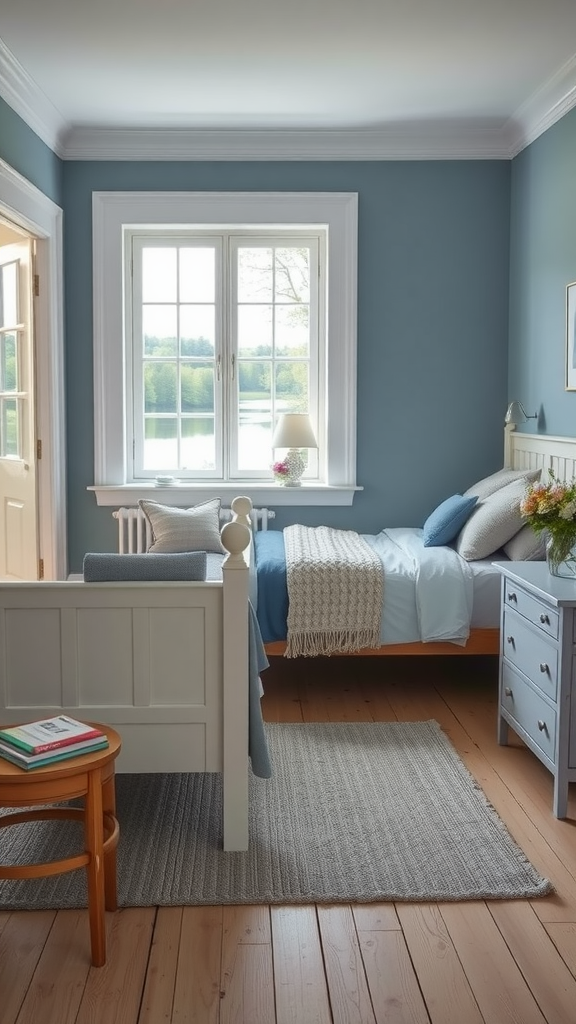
540	614
530	651
530	711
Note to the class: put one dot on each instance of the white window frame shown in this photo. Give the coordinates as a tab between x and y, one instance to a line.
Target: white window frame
338	213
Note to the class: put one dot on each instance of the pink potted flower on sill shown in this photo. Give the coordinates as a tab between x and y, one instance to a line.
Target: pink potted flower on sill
281	472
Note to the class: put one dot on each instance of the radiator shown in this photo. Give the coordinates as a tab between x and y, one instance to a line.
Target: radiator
135	535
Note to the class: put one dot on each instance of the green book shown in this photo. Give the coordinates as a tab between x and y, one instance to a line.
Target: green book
51	757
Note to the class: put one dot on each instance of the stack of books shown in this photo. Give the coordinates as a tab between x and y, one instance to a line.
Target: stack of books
49	740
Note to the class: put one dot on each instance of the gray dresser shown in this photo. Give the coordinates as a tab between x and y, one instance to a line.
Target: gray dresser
537	668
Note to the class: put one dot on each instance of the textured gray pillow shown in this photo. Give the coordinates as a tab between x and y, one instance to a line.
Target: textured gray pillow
526	546
490	484
184	529
493	522
106	567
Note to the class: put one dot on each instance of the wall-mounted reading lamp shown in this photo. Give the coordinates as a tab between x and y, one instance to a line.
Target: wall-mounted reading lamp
516	414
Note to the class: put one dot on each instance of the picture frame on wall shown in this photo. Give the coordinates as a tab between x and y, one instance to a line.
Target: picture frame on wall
571	337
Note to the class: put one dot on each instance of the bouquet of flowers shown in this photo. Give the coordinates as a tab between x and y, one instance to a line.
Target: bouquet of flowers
551	507
281	471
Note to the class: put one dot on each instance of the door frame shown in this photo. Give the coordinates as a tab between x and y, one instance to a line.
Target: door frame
28	208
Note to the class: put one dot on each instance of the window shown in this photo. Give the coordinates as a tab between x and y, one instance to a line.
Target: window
214	313
224	334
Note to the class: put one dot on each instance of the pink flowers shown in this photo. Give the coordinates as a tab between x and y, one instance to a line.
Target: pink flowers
280	468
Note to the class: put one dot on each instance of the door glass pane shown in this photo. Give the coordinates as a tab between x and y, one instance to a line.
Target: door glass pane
292	331
159	327
8	362
292	387
159	278
254	386
10	440
9	295
292	279
197	275
198	443
197	388
254	440
254	330
255	415
160	442
160	387
255	276
197	330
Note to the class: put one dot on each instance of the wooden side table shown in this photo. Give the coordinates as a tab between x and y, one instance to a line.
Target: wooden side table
91	777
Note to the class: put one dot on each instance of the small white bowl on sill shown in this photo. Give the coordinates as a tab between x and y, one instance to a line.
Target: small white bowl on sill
166	481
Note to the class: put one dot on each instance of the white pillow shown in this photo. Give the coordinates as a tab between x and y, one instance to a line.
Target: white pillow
490	484
184	529
526	546
493	522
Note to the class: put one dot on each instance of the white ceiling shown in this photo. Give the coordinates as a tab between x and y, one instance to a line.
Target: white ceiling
488	70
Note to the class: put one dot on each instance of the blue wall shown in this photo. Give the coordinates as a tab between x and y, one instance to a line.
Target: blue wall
432	325
543	262
443	248
26	153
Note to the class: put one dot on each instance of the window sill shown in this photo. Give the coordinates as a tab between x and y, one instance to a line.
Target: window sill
261	494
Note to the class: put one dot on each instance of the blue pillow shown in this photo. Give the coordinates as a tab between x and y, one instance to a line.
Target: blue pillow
445	522
108	567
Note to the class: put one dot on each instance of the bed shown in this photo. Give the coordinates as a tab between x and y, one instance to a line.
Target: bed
494	531
167	663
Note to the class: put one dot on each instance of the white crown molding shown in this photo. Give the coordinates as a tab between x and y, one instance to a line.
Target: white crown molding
21	93
418	141
543	109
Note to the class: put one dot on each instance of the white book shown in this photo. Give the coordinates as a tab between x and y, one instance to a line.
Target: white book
48	734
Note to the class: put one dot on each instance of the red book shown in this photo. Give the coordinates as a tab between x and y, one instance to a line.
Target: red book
48	734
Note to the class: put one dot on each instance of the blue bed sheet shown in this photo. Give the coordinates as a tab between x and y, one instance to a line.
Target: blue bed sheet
270	561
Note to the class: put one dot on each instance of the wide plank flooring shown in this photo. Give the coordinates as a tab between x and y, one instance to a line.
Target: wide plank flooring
499	962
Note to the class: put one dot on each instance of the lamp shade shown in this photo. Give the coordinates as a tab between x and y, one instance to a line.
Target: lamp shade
294	430
516	414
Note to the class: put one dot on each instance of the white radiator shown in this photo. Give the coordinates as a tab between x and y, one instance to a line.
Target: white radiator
135	535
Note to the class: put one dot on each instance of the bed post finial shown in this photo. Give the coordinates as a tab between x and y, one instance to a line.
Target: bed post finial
241	507
235	538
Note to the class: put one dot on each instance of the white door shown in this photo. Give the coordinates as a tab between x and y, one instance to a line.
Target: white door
18	515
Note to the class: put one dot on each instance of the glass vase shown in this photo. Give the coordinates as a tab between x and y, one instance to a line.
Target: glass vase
558	566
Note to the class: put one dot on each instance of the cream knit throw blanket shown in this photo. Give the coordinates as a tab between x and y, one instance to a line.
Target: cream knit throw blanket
335	591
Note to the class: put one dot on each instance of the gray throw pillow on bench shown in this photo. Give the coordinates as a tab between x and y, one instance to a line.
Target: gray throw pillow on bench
110	567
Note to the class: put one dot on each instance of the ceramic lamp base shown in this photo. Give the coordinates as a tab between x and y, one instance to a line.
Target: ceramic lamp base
296	467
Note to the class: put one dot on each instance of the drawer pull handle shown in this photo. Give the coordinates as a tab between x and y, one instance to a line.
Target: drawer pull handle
542	725
507	691
544	668
510	640
545	619
512	596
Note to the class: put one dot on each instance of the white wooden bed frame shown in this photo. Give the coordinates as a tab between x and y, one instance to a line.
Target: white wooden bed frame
167	663
164	663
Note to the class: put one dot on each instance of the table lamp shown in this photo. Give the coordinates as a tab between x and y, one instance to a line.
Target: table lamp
294	431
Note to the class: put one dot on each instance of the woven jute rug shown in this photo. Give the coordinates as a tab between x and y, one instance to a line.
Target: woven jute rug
354	812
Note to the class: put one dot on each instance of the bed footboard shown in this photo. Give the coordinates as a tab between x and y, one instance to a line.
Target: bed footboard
166	664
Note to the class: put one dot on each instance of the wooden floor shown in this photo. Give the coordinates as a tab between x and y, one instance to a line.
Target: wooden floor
452	963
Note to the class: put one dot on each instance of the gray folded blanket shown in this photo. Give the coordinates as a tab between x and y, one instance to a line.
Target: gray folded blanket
109	567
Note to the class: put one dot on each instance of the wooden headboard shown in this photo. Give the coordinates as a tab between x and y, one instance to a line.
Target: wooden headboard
540	451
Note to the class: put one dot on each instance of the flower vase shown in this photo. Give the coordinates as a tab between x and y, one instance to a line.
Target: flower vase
558	566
